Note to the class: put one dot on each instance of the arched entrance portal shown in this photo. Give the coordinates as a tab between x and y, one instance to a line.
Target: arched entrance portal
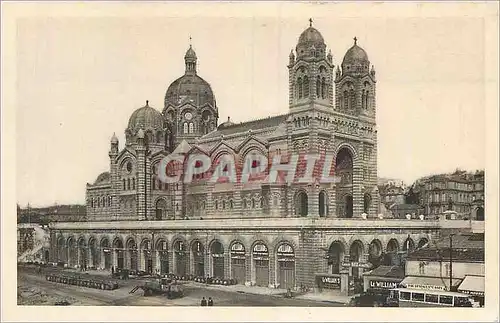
344	171
147	255
392	253
355	255
106	253
198	254
422	243
119	253
180	259
217	253
238	269
335	257
286	266
323	205
301	204
375	253
480	214
260	255
162	252
132	254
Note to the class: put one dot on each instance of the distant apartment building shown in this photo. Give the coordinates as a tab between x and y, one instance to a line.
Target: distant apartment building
461	191
392	191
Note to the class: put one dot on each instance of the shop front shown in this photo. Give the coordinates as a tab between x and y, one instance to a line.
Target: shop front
473	286
383	278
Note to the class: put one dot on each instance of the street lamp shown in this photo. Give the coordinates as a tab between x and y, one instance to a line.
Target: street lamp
451	259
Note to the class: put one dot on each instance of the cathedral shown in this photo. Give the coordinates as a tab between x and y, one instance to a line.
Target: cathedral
280	235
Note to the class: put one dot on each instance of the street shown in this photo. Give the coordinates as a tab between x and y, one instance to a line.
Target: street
34	289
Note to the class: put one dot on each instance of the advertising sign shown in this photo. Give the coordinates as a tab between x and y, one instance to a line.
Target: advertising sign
383	284
329	282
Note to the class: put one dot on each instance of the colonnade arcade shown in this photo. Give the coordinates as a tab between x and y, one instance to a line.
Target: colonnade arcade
261	262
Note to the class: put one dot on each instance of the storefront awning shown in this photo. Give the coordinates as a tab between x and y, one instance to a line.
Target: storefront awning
473	285
431	283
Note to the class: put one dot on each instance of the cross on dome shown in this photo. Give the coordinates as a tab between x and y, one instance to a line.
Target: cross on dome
310	22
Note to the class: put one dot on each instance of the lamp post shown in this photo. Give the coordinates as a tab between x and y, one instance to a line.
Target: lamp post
451	260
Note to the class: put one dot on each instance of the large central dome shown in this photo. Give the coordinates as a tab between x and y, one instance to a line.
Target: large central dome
190	88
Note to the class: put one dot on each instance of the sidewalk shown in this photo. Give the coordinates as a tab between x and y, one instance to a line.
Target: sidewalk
257	290
326	297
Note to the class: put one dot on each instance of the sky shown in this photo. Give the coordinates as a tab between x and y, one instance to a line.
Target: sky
79	79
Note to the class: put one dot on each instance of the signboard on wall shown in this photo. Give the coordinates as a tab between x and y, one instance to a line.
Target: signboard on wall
366	265
328	282
383	284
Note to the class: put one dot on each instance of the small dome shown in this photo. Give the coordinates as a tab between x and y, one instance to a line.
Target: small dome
145	118
190	53
102	178
311	42
311	36
226	124
114	139
355	59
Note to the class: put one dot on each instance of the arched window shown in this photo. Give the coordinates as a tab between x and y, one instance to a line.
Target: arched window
216	205
346	100
230	204
253	203
186	127
153	183
223	204
299	87
133	183
244	203
322	204
306	87
128	183
323	88
363	101
124	186
191	127
98	202
92	202
353	99
318	87
367	99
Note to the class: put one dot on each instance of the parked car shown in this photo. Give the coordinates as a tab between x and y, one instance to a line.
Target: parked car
371	300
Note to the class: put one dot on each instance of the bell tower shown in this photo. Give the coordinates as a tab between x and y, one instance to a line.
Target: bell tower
310	71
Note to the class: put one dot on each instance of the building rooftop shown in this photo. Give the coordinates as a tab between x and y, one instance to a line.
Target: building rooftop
387	271
458	255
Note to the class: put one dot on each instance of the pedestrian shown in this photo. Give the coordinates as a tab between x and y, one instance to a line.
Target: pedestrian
203	302
113	270
210	301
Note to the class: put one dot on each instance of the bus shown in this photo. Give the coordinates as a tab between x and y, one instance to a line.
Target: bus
407	297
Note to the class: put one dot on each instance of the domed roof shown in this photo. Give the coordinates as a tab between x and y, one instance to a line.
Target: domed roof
190	53
311	43
102	178
145	118
311	36
226	124
355	57
189	88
